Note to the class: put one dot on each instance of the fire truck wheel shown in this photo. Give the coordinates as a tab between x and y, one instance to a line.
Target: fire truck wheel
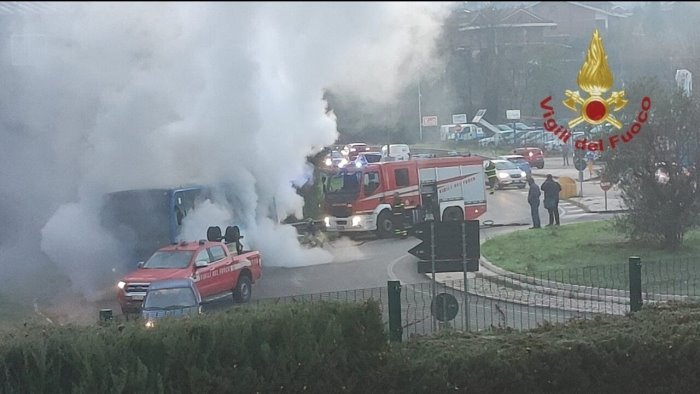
452	214
385	225
243	290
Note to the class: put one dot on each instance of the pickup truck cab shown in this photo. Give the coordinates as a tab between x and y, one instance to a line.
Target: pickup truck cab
217	268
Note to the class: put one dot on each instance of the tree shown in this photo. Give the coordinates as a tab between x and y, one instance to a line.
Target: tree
657	169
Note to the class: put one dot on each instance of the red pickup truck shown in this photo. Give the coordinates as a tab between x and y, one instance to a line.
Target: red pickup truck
218	269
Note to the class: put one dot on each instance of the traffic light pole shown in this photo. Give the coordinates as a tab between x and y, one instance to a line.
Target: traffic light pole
432	261
464	262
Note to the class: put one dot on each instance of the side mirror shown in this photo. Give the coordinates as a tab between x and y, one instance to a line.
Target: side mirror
141	263
200	264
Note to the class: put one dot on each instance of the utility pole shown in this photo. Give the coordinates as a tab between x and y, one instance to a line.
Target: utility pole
420	114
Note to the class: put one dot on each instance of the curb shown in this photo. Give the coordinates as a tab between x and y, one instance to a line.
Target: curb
559	289
588	210
578	204
537	286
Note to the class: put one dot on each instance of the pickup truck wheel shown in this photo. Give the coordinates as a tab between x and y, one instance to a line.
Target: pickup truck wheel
385	225
243	290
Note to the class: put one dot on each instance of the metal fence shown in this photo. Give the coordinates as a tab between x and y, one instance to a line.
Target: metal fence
519	301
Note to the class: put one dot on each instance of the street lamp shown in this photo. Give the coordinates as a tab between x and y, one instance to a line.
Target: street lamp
420	113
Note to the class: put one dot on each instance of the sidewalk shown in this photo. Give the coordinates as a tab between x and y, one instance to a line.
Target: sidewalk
593	199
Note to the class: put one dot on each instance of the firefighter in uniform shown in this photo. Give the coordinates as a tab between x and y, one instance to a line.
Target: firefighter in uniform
397	209
491	175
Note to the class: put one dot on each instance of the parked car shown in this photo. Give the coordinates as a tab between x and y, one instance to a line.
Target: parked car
498	138
519	161
335	159
505	128
508	174
535	137
365	158
524	127
175	298
534	156
461	132
350	151
396	152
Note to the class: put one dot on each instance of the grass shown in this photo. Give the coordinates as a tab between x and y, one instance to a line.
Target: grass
594	254
14	314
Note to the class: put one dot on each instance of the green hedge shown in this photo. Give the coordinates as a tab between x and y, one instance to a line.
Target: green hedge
330	348
315	348
657	351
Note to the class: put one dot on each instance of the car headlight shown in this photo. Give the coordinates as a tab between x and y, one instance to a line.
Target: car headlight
356	221
502	175
358	164
329	162
150	324
327	221
530	154
523	174
343	163
121	284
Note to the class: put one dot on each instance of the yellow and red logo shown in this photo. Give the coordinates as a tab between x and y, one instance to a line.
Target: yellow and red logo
595	78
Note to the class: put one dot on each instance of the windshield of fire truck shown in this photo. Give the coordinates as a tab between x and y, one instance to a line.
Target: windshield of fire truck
172	259
344	182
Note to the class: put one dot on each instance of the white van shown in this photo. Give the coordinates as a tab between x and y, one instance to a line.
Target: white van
461	132
396	152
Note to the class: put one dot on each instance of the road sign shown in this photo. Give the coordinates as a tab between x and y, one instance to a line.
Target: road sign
513	114
430	121
448	240
580	163
426	267
459	118
605	184
444	307
479	114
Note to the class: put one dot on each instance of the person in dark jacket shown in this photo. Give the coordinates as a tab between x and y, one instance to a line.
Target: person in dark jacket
551	189
491	175
398	210
533	198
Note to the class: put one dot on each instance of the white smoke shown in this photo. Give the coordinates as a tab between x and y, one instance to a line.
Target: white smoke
114	96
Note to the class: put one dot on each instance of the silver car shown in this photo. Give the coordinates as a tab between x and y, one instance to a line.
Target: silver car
509	174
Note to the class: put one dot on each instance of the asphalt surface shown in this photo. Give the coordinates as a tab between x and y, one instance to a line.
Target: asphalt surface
364	266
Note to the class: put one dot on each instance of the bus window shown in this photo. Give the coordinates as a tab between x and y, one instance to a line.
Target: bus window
185	202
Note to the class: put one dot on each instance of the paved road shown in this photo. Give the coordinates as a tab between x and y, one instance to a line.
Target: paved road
363	268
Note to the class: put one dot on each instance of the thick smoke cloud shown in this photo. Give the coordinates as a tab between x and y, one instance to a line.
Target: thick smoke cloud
104	97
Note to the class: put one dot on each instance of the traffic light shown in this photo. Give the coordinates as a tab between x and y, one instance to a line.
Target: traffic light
448	240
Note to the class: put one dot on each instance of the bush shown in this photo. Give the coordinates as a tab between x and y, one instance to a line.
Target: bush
330	348
315	348
655	351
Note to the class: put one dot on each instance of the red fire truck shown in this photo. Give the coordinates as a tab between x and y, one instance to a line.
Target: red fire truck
446	188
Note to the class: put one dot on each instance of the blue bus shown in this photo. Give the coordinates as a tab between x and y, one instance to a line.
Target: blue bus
149	218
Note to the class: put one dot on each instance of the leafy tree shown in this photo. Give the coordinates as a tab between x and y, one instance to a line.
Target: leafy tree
656	170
